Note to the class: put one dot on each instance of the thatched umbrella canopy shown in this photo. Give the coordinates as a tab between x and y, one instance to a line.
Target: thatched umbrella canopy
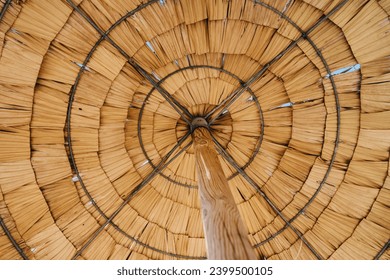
96	102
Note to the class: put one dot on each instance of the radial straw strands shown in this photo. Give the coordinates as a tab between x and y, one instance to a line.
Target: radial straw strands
96	97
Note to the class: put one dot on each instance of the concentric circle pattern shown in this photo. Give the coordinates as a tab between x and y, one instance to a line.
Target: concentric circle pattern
97	104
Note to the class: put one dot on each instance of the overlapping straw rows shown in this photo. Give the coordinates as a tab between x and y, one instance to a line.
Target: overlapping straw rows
83	133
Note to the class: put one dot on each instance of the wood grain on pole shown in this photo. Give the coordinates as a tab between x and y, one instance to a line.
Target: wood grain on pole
225	233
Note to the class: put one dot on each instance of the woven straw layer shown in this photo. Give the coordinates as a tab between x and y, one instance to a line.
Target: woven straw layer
96	157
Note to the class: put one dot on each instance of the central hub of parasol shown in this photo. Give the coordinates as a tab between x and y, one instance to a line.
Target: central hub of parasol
199	122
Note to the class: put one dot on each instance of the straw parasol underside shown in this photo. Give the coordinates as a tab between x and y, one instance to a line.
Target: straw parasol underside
96	154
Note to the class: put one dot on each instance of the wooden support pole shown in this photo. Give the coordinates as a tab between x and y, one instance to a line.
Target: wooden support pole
225	233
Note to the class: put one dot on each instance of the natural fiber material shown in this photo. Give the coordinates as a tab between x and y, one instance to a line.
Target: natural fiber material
96	97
